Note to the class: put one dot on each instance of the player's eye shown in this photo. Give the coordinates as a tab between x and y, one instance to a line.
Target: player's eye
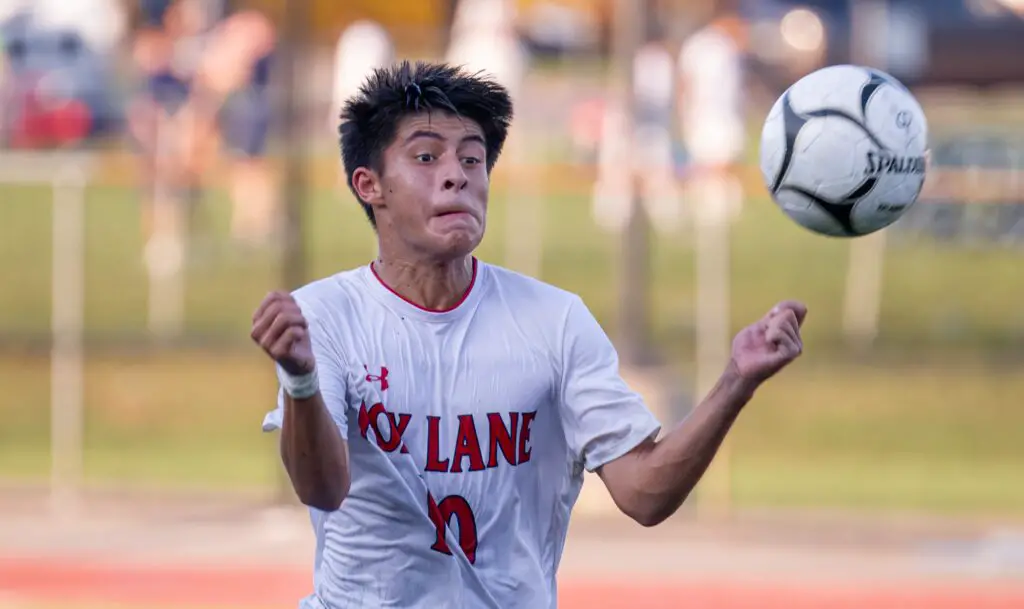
426	157
471	160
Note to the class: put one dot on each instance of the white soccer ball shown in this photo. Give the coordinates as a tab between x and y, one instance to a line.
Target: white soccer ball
843	151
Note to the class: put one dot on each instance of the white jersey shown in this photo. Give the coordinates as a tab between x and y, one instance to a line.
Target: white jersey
468	433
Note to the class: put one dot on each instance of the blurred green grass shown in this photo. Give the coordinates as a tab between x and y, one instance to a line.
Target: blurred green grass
931	421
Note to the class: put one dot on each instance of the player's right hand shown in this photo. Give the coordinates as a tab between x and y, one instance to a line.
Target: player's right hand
762	349
280	329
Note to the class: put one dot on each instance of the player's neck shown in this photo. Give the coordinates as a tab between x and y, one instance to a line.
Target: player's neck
437	286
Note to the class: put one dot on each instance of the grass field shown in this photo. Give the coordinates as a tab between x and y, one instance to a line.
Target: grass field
932	421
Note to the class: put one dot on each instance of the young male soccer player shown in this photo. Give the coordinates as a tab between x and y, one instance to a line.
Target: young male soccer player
437	412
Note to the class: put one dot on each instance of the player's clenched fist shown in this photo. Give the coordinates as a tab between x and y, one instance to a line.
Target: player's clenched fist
280	329
761	350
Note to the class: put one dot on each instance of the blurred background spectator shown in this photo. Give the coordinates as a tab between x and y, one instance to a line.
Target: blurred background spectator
362	47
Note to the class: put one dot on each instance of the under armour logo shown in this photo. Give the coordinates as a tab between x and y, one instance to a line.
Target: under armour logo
382	378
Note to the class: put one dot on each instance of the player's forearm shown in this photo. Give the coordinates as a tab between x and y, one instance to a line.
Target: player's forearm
314	453
669	469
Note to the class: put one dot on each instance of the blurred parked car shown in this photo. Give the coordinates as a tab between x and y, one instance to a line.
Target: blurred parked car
58	88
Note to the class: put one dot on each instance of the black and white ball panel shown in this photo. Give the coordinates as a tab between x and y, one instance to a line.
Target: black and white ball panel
842	151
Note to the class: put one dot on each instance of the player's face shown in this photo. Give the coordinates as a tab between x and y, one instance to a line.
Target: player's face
434	187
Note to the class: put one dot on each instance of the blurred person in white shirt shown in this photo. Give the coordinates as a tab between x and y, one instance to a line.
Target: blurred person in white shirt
711	111
483	38
650	152
362	47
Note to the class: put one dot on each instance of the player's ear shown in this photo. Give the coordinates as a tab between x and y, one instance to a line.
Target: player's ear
367	186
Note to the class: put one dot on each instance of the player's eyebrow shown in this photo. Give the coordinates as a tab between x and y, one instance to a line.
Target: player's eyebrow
433	135
474	138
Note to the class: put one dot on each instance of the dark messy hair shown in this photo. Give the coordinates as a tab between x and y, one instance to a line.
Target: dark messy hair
369	121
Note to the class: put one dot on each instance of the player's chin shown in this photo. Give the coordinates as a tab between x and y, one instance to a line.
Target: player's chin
455	243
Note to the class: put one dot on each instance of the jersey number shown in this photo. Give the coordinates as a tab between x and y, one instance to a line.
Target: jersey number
441	515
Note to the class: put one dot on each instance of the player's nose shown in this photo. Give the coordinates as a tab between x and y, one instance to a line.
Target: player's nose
453	175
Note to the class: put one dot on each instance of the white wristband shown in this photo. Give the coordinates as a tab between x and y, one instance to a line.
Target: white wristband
299	387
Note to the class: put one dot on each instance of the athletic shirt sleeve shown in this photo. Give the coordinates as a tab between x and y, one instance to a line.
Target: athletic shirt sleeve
602	417
330	369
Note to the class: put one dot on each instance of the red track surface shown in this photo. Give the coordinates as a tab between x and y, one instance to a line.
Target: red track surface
68	583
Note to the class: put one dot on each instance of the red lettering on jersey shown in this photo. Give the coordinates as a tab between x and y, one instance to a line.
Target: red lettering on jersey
364	420
468	445
503	437
374	414
396	426
441	544
524	436
441	516
434	463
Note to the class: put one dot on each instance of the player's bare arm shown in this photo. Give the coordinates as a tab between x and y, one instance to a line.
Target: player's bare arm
652	481
312	449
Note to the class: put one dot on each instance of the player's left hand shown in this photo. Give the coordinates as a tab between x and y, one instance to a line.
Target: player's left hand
762	349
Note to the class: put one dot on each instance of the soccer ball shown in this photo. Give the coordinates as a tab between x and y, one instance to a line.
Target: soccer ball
843	151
